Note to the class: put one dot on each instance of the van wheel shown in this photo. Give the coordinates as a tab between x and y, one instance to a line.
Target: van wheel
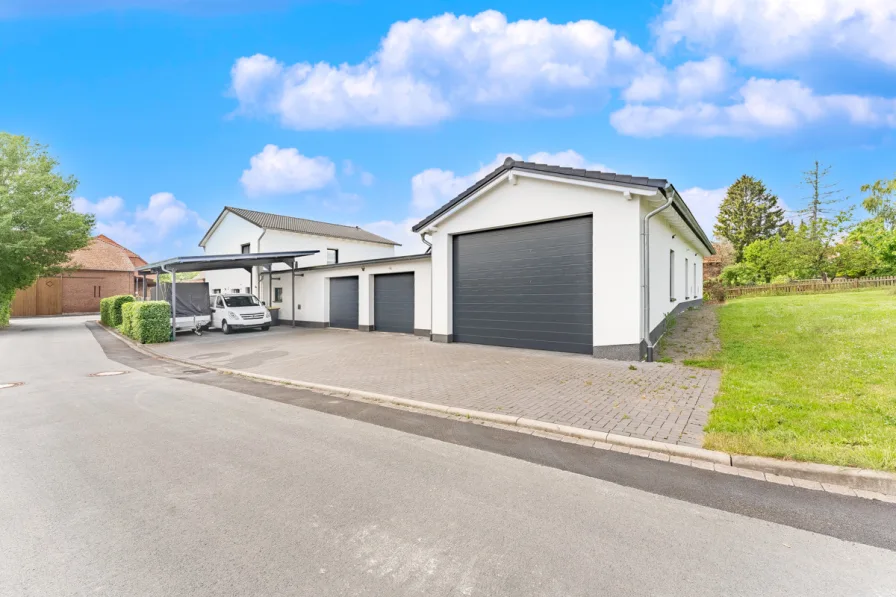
225	328
265	328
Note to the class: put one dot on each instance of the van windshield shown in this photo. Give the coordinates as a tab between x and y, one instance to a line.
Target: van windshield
241	301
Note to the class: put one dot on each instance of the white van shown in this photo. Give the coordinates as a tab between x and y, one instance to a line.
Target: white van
238	311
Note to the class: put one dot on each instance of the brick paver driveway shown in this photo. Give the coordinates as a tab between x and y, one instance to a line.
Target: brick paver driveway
657	401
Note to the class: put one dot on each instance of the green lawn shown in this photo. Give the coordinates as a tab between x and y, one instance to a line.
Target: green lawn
808	378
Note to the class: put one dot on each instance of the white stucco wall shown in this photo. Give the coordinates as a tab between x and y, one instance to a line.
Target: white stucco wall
616	277
232	232
661	242
312	291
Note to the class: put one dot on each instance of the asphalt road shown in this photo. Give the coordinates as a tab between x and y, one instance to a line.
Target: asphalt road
166	481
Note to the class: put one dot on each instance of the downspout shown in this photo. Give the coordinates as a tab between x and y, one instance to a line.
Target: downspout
428	251
645	272
426	242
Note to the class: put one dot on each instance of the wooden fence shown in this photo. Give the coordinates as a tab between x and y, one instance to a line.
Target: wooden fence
810	286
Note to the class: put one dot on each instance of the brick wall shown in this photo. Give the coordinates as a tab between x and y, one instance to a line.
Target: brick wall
82	290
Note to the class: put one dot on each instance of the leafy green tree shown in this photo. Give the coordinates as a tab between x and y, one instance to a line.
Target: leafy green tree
880	242
749	212
881	202
38	226
740	274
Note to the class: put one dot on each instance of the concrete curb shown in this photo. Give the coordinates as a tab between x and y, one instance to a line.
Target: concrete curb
856	478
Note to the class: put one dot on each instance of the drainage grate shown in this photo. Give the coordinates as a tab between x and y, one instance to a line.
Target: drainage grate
13	384
107	373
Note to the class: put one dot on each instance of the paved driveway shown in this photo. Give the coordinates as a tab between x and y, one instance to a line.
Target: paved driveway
656	401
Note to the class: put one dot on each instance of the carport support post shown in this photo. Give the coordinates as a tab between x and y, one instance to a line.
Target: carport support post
293	294
270	283
144	287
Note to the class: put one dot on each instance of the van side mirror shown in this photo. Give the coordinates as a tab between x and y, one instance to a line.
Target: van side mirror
263	303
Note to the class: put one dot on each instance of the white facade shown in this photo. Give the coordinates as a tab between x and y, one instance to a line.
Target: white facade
313	291
233	231
516	198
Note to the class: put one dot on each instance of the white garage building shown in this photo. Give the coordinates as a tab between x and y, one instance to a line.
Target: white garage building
531	256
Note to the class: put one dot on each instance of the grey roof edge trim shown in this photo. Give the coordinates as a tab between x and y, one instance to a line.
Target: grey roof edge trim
384	241
397	258
555	171
156	266
214	226
685	212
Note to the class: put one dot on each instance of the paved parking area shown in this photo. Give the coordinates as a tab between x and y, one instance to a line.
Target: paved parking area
658	401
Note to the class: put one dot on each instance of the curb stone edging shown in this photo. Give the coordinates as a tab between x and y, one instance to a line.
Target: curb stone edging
857	478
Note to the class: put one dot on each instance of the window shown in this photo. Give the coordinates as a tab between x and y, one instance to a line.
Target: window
248	290
672	276
241	301
687	286
220	303
245	248
694	281
235	291
332	256
278	295
216	291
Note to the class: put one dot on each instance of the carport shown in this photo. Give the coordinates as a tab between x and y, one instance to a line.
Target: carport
204	263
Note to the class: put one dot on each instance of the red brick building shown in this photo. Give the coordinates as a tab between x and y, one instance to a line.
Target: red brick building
104	268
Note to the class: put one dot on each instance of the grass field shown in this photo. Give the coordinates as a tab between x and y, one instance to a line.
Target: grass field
808	378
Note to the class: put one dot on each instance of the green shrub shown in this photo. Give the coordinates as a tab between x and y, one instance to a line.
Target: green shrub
781	280
740	274
106	310
147	322
713	291
117	302
6	296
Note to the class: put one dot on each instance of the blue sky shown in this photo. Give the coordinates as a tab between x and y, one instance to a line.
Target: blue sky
372	113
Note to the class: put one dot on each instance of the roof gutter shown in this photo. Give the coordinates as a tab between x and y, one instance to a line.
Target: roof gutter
669	193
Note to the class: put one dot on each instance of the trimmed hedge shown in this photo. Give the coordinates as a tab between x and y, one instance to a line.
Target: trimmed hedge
6	296
110	308
147	322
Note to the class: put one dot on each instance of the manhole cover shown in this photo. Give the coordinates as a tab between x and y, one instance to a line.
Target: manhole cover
3	386
107	373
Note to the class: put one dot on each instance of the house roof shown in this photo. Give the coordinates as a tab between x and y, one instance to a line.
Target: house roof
101	255
270	221
136	260
203	263
624	180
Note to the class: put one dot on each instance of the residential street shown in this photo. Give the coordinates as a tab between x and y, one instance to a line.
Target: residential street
169	481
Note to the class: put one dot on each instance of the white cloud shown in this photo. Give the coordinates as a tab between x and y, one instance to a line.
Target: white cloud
688	82
774	32
704	204
125	234
104	208
426	71
277	171
367	179
164	213
765	107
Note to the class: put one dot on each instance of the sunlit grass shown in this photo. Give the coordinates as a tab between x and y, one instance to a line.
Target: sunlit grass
808	378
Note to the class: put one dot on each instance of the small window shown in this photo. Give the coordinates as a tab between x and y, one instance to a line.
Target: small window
216	291
248	290
235	291
687	285
245	248
278	295
332	256
672	276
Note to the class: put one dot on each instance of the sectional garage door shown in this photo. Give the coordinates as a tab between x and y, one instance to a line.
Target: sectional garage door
344	302
526	286
393	303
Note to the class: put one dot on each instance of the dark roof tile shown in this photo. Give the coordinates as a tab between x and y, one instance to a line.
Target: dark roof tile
303	226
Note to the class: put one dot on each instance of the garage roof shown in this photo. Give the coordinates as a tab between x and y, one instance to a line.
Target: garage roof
271	221
204	263
624	180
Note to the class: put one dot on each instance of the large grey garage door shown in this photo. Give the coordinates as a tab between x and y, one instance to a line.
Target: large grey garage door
344	302
393	303
526	286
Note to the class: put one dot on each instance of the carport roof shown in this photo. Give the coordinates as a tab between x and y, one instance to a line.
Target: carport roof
204	263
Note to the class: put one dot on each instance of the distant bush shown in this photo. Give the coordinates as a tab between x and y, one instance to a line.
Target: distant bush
713	291
740	274
147	322
106	310
781	280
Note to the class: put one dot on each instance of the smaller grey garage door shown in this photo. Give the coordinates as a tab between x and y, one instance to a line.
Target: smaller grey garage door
344	302
393	303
